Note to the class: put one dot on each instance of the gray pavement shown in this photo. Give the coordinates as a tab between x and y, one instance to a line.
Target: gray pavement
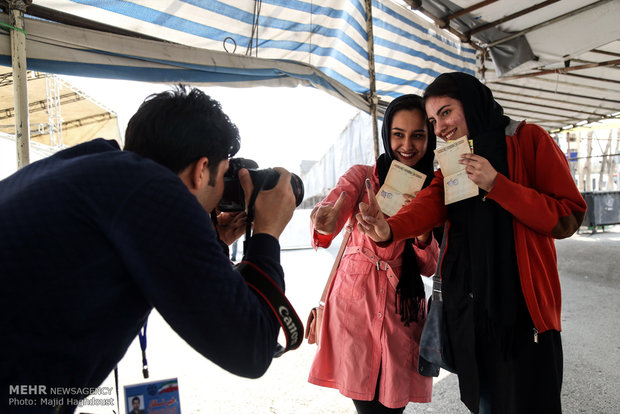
589	266
590	274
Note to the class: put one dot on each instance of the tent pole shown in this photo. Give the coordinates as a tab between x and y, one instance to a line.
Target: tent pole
374	100
17	8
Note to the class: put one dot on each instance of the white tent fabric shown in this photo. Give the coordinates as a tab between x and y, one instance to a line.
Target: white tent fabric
8	162
319	43
353	146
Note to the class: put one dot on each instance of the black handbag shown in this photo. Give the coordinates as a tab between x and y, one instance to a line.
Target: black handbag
434	342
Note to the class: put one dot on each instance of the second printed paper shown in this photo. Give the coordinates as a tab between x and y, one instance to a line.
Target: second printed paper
457	186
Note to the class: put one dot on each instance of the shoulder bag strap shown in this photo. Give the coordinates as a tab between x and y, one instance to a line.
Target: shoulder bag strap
345	240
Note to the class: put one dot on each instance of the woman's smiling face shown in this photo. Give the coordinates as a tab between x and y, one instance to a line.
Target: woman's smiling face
408	136
447	117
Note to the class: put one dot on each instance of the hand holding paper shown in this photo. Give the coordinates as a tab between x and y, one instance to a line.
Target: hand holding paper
457	185
479	170
401	184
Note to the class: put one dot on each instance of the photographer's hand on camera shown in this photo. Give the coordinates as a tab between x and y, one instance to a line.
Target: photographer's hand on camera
231	226
273	208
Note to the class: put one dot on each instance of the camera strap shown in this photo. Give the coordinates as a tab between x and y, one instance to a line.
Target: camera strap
250	213
268	289
281	307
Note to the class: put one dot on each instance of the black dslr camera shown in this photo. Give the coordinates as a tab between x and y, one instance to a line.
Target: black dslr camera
265	179
233	200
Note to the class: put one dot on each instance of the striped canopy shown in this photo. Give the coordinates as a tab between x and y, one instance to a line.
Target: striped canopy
320	43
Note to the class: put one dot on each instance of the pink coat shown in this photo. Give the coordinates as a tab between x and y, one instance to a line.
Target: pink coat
361	331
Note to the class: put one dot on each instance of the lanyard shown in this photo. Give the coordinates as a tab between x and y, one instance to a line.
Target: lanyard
142	337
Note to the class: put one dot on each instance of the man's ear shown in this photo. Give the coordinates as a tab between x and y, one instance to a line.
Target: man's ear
196	175
201	172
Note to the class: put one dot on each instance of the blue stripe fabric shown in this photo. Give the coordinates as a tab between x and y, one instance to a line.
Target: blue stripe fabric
411	24
327	34
190	74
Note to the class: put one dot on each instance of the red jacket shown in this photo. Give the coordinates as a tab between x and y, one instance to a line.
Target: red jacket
545	204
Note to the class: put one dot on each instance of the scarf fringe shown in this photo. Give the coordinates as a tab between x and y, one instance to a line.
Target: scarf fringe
408	308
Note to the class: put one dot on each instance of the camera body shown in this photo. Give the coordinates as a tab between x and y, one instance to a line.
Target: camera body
233	198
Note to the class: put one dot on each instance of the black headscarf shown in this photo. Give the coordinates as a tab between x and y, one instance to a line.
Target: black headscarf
410	288
483	246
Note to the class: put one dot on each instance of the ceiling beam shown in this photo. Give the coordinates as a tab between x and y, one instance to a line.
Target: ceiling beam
466	10
41	105
88	120
589	61
509	108
6	79
530	103
555	92
546	122
72	20
548	22
76	123
596	78
416	5
499	93
513	16
604	52
558	71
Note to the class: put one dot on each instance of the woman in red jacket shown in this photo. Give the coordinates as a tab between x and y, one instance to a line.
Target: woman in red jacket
500	283
376	306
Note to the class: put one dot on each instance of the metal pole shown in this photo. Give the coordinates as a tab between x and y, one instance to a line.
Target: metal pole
469	9
561	71
444	24
505	19
372	96
548	22
17	8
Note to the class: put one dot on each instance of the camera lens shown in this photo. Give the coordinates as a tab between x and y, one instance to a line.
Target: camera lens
298	189
266	179
271	176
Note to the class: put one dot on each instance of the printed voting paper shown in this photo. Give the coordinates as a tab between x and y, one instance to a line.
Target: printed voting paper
400	180
457	186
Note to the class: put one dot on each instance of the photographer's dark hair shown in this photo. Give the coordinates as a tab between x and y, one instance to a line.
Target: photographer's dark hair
177	127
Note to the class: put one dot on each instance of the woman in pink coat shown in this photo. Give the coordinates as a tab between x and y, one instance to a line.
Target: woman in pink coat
376	307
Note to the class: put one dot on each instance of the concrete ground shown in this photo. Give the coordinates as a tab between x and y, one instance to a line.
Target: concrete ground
589	266
591	290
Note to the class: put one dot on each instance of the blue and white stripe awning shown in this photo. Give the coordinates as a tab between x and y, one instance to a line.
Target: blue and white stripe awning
320	43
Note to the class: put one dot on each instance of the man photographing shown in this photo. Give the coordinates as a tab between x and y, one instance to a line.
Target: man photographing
93	238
